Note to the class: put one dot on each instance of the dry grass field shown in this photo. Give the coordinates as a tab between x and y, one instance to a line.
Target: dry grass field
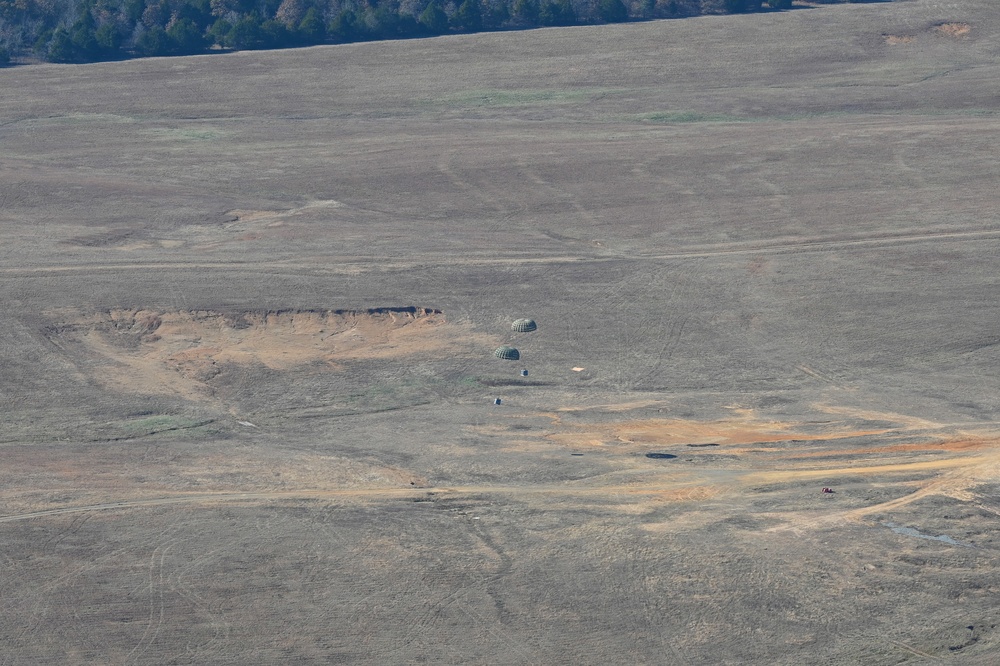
250	303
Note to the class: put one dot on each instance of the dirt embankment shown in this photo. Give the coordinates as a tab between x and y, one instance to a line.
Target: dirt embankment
182	352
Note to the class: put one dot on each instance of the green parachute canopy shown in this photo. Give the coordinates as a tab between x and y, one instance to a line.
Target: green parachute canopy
507	353
524	325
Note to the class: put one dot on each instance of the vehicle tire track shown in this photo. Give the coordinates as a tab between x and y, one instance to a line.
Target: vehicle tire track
363	264
553	192
157	605
220	625
627	584
821	375
477	191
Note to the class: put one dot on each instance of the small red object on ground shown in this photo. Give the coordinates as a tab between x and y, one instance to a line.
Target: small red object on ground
828	490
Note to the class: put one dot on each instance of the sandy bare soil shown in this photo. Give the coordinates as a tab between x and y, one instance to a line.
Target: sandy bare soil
251	302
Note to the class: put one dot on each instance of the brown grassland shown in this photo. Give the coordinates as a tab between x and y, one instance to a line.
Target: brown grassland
250	303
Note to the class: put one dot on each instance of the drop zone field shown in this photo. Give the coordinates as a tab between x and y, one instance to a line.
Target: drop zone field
250	303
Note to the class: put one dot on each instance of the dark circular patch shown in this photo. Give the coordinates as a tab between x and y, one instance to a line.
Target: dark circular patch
662	456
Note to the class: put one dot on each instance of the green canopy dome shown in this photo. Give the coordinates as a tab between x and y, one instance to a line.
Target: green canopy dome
507	353
524	325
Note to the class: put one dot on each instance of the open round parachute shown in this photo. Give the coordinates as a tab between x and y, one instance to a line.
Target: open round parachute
524	325
507	353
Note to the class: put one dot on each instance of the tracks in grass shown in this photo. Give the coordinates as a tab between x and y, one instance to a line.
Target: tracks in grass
962	472
358	264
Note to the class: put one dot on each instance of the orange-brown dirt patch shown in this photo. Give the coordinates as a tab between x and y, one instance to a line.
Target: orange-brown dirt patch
956	30
955	479
666	432
180	352
929	446
960	462
898	39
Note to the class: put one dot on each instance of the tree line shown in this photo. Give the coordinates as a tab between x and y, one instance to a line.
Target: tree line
94	30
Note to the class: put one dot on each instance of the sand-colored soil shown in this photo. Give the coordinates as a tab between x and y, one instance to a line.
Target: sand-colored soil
956	30
181	352
669	432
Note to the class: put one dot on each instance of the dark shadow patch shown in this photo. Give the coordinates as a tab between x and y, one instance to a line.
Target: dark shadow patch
103	239
510	382
661	456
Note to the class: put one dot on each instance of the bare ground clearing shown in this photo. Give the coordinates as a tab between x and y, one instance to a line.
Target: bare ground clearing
183	353
761	252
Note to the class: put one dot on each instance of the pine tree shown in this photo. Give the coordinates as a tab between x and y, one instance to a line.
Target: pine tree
109	39
468	16
556	12
186	38
526	11
311	29
433	18
246	33
346	27
153	42
60	47
612	11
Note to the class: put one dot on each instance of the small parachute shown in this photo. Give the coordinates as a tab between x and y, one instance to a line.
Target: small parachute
524	325
507	353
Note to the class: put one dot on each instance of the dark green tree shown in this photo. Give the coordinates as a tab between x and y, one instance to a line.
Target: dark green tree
468	17
186	38
274	35
548	13
218	33
497	14
385	22
433	18
109	39
132	10
199	11
60	47
612	11
409	27
153	42
245	33
311	29
526	12
83	37
556	12
266	7
779	4
346	27
156	14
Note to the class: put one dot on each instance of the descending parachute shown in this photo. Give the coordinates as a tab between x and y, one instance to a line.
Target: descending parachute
507	353
524	325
